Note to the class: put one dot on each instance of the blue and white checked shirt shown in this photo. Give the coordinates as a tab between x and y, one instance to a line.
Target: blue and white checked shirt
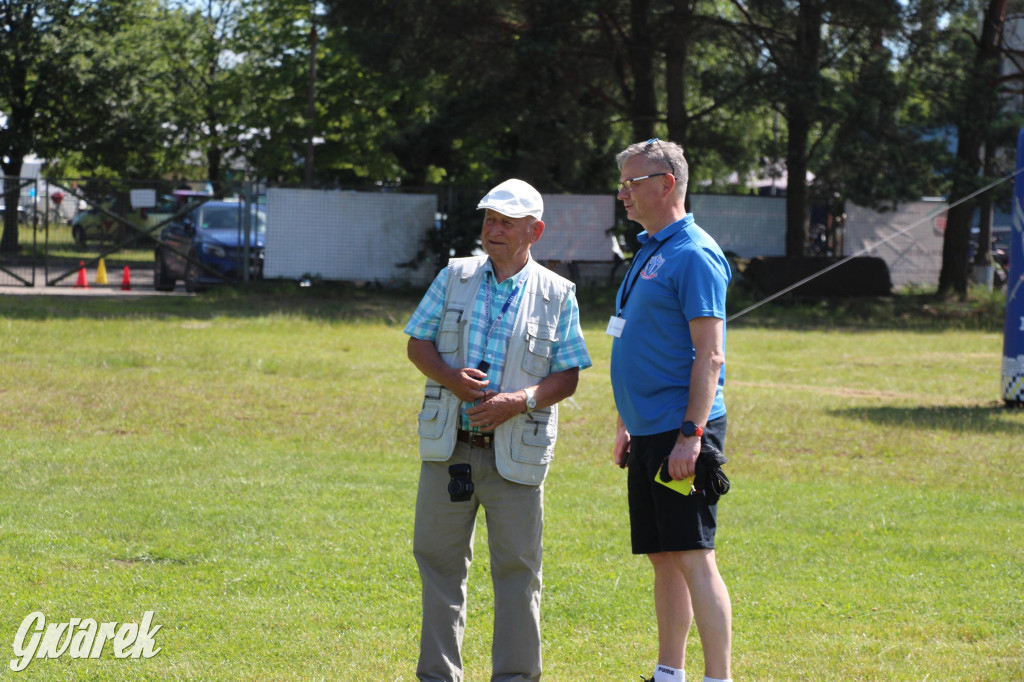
569	349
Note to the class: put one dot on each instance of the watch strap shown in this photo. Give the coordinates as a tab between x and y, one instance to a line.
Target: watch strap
531	399
689	430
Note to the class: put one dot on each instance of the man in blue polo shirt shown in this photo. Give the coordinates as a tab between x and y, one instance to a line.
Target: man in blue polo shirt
667	372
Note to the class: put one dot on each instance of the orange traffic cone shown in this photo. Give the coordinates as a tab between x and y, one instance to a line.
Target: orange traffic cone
126	280
83	282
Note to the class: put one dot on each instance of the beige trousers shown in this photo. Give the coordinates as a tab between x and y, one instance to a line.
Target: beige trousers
443	547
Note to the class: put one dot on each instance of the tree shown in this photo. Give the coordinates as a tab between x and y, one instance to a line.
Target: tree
676	64
808	44
977	108
213	101
117	108
552	90
879	154
80	85
34	63
479	89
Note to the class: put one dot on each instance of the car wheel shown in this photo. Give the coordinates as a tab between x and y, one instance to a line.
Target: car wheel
161	281
192	282
78	234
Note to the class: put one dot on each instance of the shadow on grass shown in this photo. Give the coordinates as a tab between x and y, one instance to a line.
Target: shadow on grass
350	302
994	417
328	301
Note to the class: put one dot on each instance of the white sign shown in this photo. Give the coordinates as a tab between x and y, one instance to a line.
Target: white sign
143	198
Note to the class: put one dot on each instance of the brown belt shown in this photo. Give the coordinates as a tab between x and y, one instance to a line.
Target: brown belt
477	440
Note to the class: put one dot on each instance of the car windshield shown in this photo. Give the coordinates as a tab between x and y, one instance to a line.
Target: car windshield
220	217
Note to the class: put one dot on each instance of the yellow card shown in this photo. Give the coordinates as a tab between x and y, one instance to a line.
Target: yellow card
682	487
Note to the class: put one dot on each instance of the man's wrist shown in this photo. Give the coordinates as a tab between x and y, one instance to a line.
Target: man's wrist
530	400
691	430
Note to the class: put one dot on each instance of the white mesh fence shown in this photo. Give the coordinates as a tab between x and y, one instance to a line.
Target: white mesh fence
747	226
914	257
350	236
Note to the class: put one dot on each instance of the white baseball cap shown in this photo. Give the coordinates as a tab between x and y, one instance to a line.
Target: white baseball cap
515	199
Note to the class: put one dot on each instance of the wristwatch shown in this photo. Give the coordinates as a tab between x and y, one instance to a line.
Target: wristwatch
531	399
690	429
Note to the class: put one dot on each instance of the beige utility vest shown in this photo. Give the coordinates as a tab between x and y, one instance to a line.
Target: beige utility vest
524	445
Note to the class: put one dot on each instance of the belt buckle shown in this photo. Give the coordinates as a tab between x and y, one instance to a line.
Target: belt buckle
475	438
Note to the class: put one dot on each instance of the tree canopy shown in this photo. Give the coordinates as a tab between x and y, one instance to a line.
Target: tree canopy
863	95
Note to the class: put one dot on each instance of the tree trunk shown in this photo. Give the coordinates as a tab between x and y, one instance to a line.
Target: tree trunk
796	183
11	196
675	72
644	107
215	170
978	108
983	253
800	103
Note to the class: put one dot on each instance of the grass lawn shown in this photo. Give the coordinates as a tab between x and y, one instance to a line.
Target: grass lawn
244	465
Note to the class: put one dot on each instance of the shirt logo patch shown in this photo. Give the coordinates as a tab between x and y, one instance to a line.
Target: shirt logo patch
650	270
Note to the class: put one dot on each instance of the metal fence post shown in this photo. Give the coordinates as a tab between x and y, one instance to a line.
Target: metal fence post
247	227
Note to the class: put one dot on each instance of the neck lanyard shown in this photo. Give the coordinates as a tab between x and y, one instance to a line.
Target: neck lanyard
627	287
504	308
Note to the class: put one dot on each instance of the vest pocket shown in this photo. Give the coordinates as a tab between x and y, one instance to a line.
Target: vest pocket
448	333
433	416
540	343
538	439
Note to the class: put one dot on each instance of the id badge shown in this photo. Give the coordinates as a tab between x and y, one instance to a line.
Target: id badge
615	326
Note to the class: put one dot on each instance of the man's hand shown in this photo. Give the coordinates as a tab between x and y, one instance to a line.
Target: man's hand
682	461
468	383
495	409
620	451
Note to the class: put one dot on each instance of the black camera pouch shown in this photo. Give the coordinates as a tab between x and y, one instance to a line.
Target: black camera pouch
709	477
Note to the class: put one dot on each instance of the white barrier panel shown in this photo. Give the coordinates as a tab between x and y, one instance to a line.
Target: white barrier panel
576	228
747	226
347	236
914	257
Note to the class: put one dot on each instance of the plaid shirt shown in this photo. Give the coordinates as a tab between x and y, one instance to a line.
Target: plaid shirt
569	349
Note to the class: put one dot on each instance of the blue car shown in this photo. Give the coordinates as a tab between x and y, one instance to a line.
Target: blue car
209	246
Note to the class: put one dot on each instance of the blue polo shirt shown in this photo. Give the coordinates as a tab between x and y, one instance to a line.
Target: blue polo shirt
680	273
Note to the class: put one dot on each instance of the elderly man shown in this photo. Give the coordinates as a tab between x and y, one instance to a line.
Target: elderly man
668	359
499	340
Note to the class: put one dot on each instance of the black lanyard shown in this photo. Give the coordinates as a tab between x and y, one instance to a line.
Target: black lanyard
627	290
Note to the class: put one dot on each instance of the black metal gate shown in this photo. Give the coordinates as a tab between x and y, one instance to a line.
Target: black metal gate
118	232
23	213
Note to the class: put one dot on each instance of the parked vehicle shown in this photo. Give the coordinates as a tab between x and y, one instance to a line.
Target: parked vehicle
95	225
209	245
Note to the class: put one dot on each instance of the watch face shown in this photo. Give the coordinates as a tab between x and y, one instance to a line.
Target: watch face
531	403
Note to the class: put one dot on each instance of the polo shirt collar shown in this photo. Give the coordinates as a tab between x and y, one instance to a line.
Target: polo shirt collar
669	231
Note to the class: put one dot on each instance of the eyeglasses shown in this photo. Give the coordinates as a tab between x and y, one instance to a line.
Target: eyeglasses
628	183
650	143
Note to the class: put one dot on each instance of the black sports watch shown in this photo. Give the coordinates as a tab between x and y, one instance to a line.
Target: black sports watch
690	430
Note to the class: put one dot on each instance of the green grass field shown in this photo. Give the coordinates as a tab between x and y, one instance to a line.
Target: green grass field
245	466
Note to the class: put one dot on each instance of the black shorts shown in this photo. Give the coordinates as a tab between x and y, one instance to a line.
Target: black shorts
662	520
